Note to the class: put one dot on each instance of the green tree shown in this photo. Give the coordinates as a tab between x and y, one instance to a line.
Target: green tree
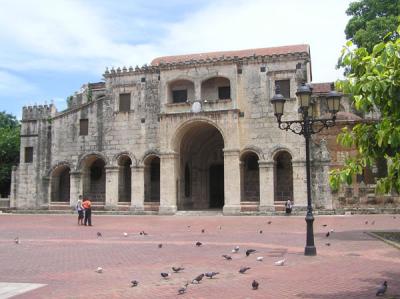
9	149
371	21
373	82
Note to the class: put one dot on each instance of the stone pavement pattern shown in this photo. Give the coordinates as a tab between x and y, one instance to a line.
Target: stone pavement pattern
57	252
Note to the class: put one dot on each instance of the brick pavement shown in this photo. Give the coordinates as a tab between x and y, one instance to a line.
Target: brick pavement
56	252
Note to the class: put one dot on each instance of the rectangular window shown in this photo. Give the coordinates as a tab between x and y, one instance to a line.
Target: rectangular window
285	87
224	92
179	96
28	154
124	102
83	127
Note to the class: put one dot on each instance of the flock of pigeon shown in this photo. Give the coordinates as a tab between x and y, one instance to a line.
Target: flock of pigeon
255	284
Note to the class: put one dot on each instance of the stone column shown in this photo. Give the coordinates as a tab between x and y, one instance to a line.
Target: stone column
168	184
75	188
299	184
267	191
231	182
112	174
137	189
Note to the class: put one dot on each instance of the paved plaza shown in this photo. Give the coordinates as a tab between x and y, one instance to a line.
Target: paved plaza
57	253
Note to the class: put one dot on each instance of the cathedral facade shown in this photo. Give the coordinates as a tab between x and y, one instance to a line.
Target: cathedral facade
187	132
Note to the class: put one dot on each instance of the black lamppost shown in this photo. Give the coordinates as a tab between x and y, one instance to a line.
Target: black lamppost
306	127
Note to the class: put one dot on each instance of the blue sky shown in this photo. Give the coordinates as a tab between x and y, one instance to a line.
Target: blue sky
49	48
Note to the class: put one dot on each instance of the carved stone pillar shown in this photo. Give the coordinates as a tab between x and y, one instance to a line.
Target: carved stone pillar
266	186
75	187
137	189
231	182
299	184
168	184
112	174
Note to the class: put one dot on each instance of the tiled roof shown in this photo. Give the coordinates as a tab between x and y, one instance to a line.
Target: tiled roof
322	87
239	54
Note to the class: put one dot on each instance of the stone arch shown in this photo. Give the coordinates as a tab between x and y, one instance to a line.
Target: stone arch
183	128
253	149
151	162
92	166
250	176
148	154
115	159
57	165
85	156
215	88
278	148
180	90
200	166
124	162
60	182
283	176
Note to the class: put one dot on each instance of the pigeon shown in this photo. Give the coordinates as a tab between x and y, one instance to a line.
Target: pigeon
159	245
366	222
332	230
324	225
280	262
198	278
220	227
17	241
183	289
176	270
382	289
328	244
227	257
198	244
254	285
269	222
260	258
203	231
394	217
165	275
99	235
211	274
144	233
99	270
327	234
134	283
125	234
373	222
250	251
260	231
243	270
235	250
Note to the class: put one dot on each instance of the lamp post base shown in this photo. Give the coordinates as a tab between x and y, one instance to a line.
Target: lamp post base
310	251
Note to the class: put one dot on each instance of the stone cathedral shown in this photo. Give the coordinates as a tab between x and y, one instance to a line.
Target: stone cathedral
187	132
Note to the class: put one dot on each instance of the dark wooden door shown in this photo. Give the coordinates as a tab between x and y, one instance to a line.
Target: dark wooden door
216	176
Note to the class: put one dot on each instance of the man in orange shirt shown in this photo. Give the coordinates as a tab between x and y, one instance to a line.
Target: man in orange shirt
87	205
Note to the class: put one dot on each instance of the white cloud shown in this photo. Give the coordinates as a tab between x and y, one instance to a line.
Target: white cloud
12	84
79	35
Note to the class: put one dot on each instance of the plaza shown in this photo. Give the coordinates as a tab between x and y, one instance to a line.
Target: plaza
62	256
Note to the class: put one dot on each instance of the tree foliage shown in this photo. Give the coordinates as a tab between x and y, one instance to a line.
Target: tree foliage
9	149
373	82
371	21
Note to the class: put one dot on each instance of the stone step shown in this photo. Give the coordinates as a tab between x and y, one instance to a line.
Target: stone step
199	213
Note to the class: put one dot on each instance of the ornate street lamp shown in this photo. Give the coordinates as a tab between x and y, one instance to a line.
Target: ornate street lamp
306	127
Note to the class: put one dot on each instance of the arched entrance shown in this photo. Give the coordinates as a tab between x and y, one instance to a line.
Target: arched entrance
152	179
201	171
124	179
60	184
94	179
283	182
250	177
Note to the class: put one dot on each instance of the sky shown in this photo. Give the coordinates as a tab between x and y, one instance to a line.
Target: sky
49	49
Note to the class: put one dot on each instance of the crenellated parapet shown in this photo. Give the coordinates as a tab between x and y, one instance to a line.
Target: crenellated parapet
38	112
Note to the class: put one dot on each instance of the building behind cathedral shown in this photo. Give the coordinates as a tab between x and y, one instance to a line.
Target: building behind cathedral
187	132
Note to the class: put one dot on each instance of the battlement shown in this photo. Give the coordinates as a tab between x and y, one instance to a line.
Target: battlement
38	112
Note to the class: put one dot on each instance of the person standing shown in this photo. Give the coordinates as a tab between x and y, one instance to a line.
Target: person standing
79	208
87	205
